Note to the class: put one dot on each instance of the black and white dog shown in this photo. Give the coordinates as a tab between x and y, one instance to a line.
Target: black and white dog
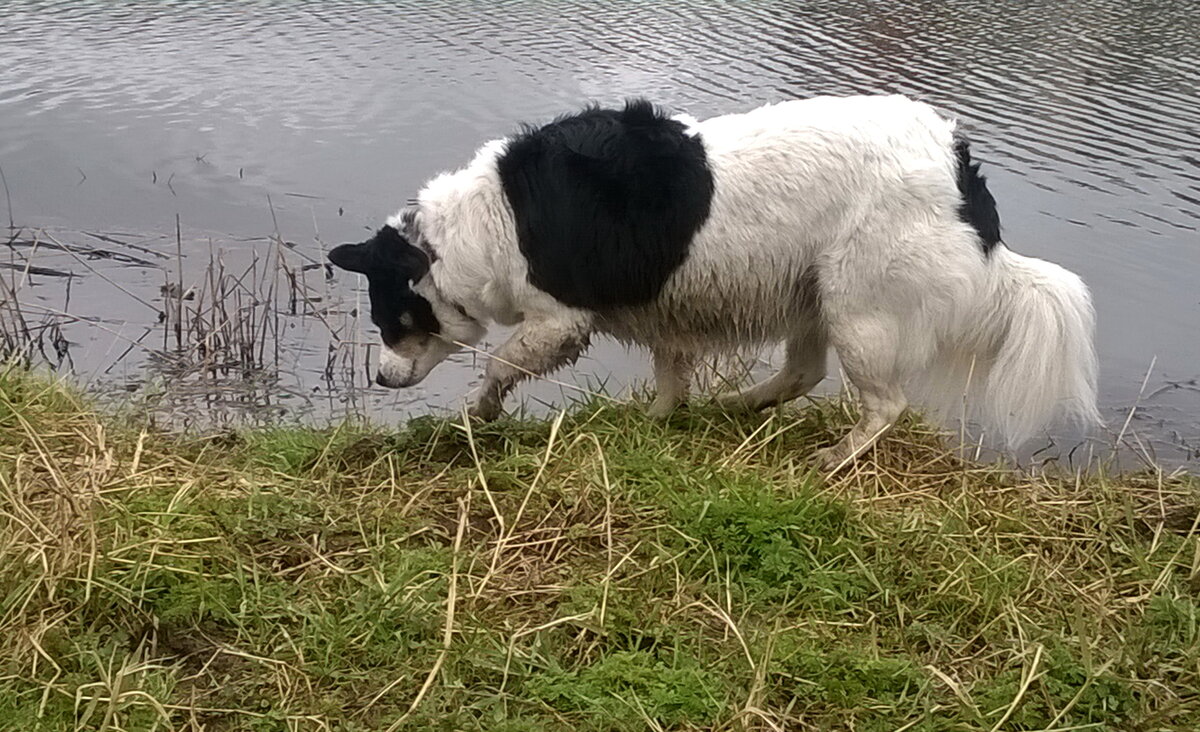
858	223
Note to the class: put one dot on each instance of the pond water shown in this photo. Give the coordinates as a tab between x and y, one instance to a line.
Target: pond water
314	120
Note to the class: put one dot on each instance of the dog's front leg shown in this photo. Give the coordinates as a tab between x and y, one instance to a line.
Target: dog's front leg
537	347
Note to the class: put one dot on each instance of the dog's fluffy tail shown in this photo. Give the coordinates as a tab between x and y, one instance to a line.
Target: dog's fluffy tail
1045	367
1026	358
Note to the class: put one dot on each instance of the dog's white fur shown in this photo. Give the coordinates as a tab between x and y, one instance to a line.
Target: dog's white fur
834	223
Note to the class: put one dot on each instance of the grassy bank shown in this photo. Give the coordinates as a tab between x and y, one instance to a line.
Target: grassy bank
600	572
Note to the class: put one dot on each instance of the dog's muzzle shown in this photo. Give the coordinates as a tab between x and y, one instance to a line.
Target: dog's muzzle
389	383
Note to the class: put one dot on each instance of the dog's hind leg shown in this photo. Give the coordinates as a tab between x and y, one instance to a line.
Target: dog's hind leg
868	347
537	347
803	368
672	377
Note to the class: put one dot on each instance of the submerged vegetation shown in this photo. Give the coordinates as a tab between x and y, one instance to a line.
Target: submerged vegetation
595	571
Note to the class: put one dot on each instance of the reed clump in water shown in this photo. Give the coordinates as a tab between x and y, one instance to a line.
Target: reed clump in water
222	332
596	571
28	337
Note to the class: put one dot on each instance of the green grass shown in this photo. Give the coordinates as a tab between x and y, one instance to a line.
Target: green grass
600	573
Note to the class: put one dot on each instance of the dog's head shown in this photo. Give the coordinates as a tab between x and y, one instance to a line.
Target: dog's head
419	326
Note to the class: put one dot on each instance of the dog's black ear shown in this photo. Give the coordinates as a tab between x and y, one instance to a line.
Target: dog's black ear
400	254
387	254
413	262
352	257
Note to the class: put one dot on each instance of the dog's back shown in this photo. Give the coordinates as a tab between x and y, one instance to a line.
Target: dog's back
807	191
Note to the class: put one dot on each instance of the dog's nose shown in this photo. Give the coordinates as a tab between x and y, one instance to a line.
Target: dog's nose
380	380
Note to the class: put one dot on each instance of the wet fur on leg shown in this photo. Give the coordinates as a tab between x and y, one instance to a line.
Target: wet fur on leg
536	348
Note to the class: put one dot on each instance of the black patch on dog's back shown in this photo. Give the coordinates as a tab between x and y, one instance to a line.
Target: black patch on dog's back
978	207
606	202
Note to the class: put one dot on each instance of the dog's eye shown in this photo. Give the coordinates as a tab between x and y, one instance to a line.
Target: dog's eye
406	320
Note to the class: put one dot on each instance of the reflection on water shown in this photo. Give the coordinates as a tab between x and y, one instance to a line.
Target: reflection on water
116	116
